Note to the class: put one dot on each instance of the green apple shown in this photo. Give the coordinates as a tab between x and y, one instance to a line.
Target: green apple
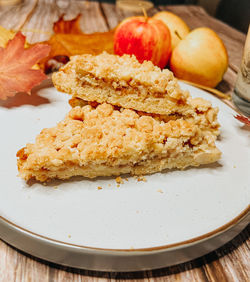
178	28
200	57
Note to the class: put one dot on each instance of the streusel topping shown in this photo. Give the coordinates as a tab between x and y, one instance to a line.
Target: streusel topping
107	135
125	71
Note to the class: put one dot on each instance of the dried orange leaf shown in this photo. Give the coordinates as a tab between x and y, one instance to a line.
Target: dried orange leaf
243	119
65	27
77	44
69	40
16	62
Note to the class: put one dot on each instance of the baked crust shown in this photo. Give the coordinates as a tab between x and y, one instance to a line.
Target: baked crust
104	141
124	82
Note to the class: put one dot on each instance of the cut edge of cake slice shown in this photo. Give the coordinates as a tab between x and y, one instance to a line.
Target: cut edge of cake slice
124	82
105	141
203	114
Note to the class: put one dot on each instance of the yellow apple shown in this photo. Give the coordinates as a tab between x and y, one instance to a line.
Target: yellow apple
178	28
200	57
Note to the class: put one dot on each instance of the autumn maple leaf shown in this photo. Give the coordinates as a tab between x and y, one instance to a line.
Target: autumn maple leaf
16	62
243	119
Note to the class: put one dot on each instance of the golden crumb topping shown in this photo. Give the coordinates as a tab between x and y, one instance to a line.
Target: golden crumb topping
123	72
103	134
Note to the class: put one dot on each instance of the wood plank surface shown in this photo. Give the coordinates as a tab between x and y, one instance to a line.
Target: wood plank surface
14	17
230	262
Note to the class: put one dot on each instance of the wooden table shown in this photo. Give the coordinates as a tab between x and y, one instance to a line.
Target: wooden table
230	262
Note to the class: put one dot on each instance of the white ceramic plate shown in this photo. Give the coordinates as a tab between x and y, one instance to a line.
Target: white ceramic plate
173	217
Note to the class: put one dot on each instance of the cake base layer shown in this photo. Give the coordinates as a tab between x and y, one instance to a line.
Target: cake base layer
142	168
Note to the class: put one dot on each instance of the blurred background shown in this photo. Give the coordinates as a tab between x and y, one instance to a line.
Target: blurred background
236	13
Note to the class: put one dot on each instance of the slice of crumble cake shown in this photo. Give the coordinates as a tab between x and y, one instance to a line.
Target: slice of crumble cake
104	140
124	82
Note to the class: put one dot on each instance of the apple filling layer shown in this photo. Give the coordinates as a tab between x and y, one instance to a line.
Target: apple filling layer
202	114
124	82
103	141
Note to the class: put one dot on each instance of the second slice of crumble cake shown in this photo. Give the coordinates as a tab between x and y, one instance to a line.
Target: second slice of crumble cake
202	114
124	82
105	141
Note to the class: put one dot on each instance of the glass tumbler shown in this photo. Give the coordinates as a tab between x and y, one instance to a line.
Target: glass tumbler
241	95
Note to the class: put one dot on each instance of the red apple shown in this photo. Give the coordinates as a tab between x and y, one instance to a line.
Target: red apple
147	38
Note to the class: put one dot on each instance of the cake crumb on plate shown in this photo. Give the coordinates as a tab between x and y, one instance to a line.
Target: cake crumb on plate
141	178
119	180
